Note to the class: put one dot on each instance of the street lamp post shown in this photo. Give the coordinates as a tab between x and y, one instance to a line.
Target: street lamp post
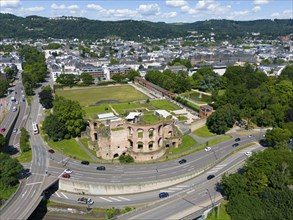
215	154
210	197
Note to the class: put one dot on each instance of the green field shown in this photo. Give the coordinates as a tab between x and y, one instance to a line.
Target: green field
203	132
217	140
164	104
187	143
90	96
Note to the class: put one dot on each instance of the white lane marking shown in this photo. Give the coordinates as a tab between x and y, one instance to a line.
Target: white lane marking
115	181
105	199
33	183
190	191
33	194
120	197
174	188
115	199
16	209
182	186
64	195
24	193
57	194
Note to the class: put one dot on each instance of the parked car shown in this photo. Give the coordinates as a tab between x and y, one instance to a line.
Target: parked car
237	139
66	175
3	130
84	162
85	200
210	177
248	153
235	145
101	168
51	151
163	195
182	161
208	149
68	171
14	130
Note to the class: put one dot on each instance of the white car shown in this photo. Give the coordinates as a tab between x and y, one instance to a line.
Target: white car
248	153
67	171
208	149
251	135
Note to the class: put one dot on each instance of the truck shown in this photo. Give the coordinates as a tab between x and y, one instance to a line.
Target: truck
85	200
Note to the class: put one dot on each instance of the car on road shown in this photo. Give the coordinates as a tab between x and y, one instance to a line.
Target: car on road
248	153
84	162
66	175
16	102
3	130
237	139
101	168
210	177
85	200
182	161
235	145
67	171
14	130
51	151
207	149
251	135
163	195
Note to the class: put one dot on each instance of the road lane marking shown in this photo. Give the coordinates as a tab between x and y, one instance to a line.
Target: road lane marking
115	181
182	186
24	193
190	191
64	195
57	194
16	209
33	194
167	191
33	183
174	188
120	197
115	199
105	199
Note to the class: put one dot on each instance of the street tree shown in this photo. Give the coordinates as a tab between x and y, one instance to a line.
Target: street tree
46	97
86	78
278	135
55	129
3	86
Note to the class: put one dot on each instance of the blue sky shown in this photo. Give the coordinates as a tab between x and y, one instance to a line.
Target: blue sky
160	10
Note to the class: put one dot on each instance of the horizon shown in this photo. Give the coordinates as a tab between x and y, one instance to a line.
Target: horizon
168	11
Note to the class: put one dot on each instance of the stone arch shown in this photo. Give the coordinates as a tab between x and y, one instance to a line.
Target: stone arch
160	142
130	130
95	136
139	133
140	145
130	143
116	155
151	145
160	129
170	133
151	132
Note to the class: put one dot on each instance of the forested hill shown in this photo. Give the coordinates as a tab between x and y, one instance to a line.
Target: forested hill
12	26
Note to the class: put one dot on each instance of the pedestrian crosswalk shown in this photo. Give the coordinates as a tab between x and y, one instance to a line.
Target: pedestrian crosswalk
216	168
175	188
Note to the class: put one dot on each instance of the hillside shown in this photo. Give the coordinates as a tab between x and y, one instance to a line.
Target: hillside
12	26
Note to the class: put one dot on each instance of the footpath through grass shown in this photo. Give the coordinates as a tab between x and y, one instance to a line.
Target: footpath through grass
203	132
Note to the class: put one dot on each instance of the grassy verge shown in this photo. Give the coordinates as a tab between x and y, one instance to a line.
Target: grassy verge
84	141
25	157
29	100
203	132
242	147
6	193
187	143
69	148
220	139
220	214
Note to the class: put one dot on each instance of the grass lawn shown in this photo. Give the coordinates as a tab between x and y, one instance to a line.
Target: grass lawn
121	108
223	215
164	104
220	139
203	132
6	193
84	141
25	157
182	118
70	148
90	96
150	118
103	108
187	142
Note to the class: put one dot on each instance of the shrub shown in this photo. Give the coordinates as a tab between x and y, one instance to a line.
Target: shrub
126	159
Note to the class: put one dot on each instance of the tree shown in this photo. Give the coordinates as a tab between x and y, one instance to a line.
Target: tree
2	142
10	73
114	61
132	74
46	97
87	78
287	73
126	159
118	78
3	86
54	128
67	79
9	170
70	114
278	135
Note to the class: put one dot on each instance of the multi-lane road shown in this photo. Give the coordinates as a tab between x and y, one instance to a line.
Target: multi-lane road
44	164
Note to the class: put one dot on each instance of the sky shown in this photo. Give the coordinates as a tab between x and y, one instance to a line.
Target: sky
160	10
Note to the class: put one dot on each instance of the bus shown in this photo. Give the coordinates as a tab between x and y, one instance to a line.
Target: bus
35	128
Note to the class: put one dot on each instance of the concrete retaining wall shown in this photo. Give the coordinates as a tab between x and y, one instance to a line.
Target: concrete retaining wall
197	124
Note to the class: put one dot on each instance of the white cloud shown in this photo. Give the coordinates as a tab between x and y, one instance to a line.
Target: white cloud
9	3
64	7
151	9
239	13
260	2
283	15
73	7
176	3
256	9
95	7
34	9
172	14
125	13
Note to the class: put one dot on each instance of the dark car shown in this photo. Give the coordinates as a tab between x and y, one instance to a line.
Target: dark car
66	175
235	145
163	195
51	151
210	177
101	168
237	139
3	130
84	162
182	161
